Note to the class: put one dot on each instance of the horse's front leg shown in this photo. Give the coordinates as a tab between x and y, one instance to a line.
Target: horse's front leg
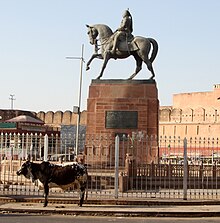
95	55
46	192
106	59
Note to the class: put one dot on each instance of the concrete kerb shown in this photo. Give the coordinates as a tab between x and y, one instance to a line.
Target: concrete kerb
126	208
104	201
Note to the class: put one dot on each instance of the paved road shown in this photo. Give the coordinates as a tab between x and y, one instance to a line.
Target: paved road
24	218
112	210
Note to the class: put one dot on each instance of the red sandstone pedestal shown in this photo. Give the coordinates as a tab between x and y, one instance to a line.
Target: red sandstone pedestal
121	107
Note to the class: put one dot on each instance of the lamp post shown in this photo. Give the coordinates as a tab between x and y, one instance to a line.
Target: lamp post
76	109
12	101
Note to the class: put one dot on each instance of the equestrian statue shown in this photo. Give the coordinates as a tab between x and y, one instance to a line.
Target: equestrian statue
122	44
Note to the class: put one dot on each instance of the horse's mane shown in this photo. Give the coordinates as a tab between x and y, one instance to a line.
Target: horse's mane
104	29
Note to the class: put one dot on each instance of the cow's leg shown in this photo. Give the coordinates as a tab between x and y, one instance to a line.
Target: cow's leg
46	192
82	194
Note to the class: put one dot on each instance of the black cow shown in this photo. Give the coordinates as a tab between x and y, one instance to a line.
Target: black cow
63	176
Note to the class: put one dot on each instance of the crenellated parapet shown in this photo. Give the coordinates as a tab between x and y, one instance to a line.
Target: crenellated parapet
189	115
59	118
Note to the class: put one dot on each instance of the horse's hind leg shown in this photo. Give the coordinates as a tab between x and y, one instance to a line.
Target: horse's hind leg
144	57
150	68
138	66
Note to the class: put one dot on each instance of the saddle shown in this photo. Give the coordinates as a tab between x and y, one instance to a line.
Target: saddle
126	43
129	45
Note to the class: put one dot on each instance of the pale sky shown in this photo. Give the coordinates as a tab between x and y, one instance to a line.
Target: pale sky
38	35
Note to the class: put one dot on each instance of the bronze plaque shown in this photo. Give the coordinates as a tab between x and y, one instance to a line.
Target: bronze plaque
121	119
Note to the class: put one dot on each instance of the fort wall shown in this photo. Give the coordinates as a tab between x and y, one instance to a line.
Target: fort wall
197	122
195	114
192	122
58	118
194	100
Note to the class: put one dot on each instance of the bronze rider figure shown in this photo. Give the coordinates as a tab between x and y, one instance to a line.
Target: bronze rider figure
124	32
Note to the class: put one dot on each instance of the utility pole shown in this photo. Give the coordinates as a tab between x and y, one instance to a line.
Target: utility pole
12	101
77	108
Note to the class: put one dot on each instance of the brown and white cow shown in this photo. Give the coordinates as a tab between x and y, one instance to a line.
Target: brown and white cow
63	176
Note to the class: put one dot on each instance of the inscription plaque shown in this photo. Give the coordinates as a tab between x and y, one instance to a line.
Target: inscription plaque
121	119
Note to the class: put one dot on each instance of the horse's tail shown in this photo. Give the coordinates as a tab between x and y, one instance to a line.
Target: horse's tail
155	49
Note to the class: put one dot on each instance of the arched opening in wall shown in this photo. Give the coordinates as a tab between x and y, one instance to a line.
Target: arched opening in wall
174	130
197	130
186	130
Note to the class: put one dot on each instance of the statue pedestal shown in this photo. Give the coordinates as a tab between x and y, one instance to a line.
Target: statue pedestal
121	107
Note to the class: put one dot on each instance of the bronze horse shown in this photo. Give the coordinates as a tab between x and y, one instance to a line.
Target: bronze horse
140	52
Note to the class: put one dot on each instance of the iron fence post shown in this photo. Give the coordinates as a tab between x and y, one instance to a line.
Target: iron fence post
46	147
185	170
116	165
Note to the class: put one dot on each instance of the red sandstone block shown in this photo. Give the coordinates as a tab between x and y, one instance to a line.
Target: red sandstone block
90	129
142	123
121	107
123	100
91	103
91	118
106	92
104	100
142	108
108	107
152	121
99	129
100	122
121	91
143	101
102	103
99	107
122	97
132	107
94	92
150	91
152	131
100	115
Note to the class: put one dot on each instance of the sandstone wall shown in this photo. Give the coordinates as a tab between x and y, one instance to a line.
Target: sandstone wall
188	122
59	118
189	115
194	100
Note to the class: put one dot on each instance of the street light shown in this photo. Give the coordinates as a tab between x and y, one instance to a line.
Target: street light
12	101
76	109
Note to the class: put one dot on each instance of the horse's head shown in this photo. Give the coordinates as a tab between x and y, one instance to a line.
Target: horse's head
92	33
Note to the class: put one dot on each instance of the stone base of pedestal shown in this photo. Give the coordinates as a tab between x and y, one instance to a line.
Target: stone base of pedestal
120	107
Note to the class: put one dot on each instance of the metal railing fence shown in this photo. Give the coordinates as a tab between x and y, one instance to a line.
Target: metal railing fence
136	166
